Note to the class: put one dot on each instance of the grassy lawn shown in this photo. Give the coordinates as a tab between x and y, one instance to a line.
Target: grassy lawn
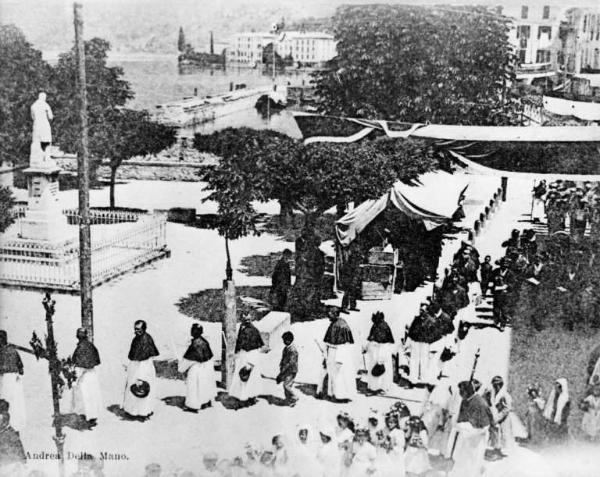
546	355
208	305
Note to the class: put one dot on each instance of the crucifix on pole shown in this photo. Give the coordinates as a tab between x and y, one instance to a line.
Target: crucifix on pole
54	367
83	177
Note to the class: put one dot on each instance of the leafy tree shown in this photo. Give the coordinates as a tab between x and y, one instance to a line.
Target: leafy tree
107	92
181	40
115	132
418	64
129	133
267	57
7	202
266	160
310	178
23	74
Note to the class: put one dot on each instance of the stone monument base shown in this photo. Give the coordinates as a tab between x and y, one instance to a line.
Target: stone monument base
44	226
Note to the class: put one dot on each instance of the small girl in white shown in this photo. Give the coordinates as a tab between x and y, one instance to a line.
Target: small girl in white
590	424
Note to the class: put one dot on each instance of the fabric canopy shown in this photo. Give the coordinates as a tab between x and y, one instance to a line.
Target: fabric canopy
318	128
432	198
474	168
587	111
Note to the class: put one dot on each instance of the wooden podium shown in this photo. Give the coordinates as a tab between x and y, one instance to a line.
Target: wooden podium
379	274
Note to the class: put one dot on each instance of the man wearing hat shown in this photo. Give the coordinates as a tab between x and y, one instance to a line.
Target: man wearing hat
140	392
537	209
11	381
12	454
339	342
86	392
288	367
246	381
201	387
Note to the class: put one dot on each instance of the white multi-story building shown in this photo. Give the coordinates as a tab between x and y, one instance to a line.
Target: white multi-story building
535	32
248	47
308	48
582	40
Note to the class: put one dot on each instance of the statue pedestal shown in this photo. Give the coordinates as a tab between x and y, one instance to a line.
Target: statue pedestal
44	219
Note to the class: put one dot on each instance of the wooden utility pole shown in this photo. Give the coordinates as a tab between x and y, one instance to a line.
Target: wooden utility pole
83	175
54	368
229	325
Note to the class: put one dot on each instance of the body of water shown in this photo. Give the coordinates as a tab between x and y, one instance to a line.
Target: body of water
157	79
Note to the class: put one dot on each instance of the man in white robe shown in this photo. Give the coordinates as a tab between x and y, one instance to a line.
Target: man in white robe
86	391
246	383
11	382
501	433
200	381
468	439
341	372
379	350
140	387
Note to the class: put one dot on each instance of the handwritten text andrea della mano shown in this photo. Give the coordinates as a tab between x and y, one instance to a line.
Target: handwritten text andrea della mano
76	456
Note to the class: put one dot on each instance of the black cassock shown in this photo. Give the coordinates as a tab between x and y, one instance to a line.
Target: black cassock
142	348
381	333
10	361
199	350
248	338
338	333
86	355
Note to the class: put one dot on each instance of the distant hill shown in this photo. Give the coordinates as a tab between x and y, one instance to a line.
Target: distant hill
152	26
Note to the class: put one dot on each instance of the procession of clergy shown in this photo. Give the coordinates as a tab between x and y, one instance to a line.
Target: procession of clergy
456	421
461	423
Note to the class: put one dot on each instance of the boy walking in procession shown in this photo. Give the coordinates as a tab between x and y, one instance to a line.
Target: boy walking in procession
288	368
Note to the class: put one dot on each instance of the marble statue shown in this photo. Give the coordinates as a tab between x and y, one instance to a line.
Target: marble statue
41	136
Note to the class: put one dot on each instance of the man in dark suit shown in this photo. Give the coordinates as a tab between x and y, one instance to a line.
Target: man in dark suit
288	368
281	281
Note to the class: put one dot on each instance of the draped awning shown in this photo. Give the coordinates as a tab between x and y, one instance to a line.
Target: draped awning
432	198
319	128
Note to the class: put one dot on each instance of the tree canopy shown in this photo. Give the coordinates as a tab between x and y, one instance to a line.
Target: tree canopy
115	132
266	165
7	202
23	74
418	64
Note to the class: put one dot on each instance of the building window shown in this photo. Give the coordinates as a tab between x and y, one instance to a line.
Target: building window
523	31
545	30
543	56
546	12
522	56
585	23
524	11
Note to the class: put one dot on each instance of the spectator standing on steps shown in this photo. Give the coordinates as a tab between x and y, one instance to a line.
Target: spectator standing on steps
281	281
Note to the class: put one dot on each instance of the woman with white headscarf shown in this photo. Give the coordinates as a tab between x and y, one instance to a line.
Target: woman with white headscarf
329	455
556	412
303	452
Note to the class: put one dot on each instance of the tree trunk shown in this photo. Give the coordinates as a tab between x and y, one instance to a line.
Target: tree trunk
286	212
228	269
113	179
